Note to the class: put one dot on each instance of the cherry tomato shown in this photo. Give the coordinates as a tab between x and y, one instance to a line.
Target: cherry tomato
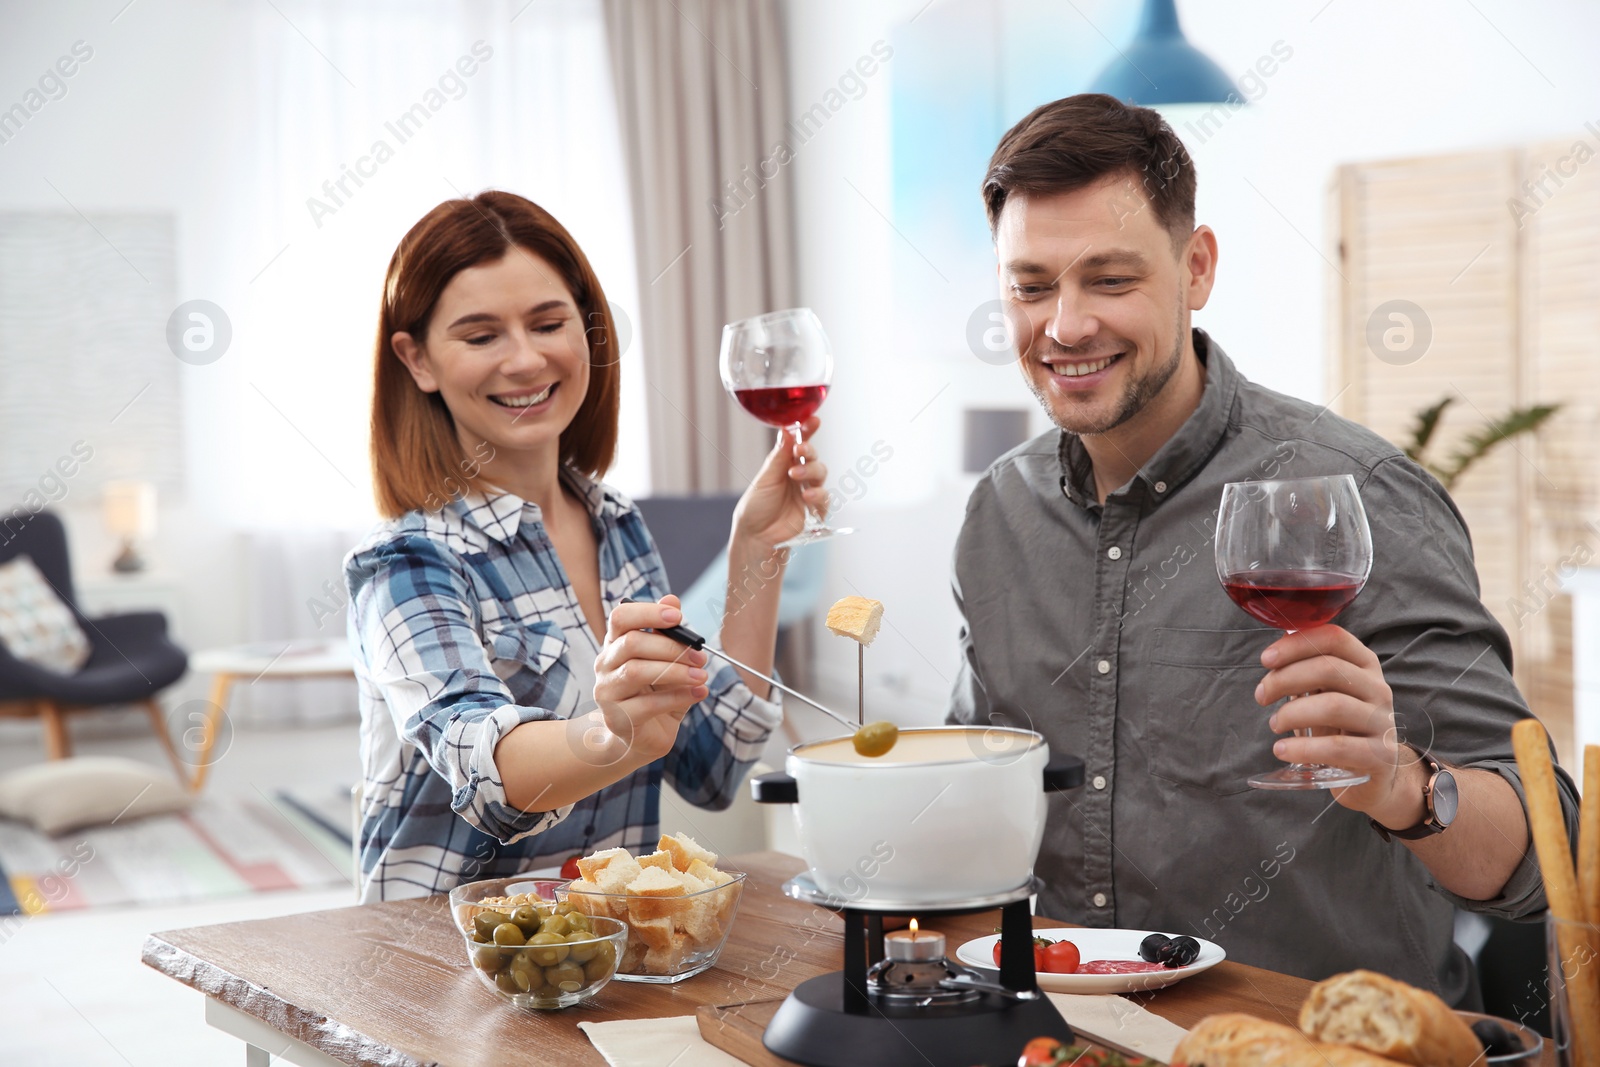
1040	1052
569	869
1061	958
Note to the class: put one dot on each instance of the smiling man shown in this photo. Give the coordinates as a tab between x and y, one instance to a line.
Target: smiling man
1093	614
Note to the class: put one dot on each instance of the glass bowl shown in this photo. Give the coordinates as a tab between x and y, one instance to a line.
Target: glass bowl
1532	1043
527	957
669	938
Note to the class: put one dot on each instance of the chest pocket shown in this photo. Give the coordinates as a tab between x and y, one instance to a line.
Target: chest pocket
514	646
1209	732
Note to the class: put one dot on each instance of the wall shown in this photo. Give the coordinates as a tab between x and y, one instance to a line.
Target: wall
1365	80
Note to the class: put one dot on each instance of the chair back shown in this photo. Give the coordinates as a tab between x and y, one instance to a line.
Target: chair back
689	531
42	538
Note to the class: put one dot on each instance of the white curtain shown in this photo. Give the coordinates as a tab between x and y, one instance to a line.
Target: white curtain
703	100
362	117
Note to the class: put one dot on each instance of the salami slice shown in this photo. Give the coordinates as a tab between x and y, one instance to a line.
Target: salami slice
1118	967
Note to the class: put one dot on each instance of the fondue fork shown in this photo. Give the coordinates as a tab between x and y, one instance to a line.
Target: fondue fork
685	636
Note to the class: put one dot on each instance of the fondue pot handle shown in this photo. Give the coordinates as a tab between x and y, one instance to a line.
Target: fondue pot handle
1062	773
779	788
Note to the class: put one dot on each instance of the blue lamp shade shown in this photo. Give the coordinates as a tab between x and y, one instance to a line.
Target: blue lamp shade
1160	66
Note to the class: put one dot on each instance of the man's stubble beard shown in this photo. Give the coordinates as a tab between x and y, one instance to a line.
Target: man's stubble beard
1138	392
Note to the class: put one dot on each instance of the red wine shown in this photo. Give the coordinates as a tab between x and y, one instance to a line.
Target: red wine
1293	600
782	405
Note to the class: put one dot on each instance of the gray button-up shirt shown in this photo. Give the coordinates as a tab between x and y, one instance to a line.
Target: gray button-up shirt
1105	629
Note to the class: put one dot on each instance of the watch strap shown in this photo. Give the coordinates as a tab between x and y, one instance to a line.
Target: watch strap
1428	826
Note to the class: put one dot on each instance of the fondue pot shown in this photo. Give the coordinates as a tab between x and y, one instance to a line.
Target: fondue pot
951	814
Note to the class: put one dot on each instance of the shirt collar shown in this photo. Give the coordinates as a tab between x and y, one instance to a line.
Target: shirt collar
500	514
1183	454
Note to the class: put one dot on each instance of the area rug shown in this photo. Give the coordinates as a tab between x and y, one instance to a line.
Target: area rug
221	846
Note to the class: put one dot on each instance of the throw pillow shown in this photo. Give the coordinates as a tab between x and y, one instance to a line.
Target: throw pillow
69	794
36	626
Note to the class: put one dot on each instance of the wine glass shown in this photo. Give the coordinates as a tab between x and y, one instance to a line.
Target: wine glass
778	366
1293	554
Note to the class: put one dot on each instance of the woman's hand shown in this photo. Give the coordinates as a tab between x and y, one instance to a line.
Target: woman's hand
773	509
645	683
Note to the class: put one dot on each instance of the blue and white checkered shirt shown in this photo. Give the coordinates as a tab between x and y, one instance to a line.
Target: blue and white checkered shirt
463	625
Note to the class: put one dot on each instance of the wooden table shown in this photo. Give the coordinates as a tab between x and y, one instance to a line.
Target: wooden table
389	983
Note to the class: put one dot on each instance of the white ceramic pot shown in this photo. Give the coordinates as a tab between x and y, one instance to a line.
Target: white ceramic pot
951	813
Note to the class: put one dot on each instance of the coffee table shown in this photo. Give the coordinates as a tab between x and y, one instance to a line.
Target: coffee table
266	659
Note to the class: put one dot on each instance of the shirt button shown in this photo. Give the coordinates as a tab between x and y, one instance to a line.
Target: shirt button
1099	781
1161	487
1104	666
1099	900
1114	552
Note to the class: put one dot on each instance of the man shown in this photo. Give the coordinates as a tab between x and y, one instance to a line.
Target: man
1092	611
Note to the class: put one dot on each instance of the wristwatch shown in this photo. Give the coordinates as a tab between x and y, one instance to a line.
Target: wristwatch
1439	803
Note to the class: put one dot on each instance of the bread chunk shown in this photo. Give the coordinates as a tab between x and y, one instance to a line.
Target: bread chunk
651	895
592	865
1390	1018
659	858
685	851
857	617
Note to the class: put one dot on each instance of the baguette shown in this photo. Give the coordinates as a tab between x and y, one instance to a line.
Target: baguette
1238	1040
1388	1018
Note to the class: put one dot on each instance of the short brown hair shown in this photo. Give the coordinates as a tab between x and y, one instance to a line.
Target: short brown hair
417	459
1077	141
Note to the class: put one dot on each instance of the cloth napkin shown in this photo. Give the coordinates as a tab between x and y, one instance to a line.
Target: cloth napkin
654	1042
1119	1021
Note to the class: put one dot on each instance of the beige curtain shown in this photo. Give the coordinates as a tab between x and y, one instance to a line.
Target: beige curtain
702	98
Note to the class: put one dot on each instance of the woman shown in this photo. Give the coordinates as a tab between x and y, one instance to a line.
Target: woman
514	712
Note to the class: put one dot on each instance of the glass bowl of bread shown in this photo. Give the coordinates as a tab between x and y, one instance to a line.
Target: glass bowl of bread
531	949
677	905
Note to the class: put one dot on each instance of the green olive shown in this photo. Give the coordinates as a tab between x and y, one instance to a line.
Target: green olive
485	921
506	982
556	924
566	907
547	950
509	934
584	946
603	964
487	959
578	921
876	738
567	976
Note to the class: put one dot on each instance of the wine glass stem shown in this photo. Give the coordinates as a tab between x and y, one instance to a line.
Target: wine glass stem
813	520
1300	733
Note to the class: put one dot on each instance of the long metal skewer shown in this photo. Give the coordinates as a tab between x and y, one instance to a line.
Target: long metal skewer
686	636
861	684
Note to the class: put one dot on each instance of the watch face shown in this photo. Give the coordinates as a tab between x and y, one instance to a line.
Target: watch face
1445	798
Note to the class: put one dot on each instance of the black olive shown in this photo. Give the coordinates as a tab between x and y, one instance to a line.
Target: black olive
1179	952
1150	947
1496	1039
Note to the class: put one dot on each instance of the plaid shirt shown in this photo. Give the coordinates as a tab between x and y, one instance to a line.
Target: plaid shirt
463	625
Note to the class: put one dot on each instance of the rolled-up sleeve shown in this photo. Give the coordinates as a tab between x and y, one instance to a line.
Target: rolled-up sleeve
416	620
1445	657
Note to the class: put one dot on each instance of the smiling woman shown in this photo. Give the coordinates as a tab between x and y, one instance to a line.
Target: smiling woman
516	706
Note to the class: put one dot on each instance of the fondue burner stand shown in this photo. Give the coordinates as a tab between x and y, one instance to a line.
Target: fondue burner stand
899	1002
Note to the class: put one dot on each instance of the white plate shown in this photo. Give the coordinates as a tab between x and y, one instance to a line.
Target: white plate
1098	945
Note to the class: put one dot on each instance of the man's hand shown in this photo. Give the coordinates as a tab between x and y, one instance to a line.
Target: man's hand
645	683
1350	708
